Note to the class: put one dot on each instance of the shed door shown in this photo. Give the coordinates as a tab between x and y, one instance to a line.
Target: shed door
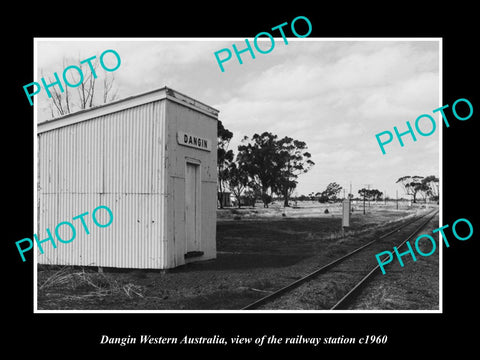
192	206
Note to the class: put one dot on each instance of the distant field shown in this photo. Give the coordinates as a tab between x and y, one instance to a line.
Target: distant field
266	230
315	209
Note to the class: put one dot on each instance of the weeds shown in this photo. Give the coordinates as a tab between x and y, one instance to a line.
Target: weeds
89	283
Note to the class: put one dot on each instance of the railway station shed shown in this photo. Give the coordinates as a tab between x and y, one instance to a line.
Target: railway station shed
151	159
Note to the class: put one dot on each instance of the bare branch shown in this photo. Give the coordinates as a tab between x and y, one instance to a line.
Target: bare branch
92	90
83	96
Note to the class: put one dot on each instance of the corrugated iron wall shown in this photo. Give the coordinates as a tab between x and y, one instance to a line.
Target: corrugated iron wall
181	118
114	160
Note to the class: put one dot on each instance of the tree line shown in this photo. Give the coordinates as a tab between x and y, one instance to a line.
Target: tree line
265	165
426	187
330	194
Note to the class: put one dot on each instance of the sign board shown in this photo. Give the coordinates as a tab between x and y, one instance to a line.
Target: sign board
194	141
346	213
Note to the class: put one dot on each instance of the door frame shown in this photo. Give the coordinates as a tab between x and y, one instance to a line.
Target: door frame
198	206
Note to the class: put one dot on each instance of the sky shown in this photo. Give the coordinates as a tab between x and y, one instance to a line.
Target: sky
334	94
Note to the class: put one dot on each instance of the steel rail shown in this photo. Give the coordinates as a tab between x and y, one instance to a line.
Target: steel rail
348	297
296	283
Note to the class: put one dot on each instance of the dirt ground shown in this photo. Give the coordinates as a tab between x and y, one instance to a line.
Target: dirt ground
258	252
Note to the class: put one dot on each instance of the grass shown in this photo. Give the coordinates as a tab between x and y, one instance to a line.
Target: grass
87	284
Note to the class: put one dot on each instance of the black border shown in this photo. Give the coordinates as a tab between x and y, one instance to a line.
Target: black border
80	333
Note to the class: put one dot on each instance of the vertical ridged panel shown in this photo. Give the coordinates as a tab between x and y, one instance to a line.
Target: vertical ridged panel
83	248
137	221
47	162
114	160
128	142
47	213
80	158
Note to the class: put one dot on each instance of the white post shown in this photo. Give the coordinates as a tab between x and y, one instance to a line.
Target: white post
345	213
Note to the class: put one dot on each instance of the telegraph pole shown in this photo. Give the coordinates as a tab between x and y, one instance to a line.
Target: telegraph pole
364	203
368	186
397	199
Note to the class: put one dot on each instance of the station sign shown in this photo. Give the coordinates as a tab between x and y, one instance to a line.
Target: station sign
194	141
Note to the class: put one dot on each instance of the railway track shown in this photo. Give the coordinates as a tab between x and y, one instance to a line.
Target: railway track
320	290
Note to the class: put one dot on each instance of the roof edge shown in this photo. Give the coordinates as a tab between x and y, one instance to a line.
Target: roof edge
126	103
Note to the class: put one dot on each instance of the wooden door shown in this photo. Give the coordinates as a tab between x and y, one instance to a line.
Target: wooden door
192	206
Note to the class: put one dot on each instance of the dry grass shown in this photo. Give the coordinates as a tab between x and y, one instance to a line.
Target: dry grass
88	284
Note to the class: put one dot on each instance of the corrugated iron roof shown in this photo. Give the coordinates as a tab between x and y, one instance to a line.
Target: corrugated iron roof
125	103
